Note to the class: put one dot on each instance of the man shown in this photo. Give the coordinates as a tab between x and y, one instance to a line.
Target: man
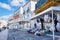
42	21
55	22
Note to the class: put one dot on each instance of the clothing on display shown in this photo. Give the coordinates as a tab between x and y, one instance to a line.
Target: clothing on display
58	17
35	25
53	15
58	26
45	18
38	26
41	20
37	21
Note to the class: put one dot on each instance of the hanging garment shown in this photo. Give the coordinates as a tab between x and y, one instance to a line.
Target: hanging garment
58	26
45	18
39	26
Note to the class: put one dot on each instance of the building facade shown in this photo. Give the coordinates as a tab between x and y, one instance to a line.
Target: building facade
28	11
43	5
3	23
22	15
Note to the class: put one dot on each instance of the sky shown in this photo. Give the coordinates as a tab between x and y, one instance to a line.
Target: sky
8	7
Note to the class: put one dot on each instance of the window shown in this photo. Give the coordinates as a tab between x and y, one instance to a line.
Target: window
38	20
24	12
28	10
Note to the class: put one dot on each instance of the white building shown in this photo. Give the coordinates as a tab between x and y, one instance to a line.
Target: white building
3	23
23	14
28	12
15	19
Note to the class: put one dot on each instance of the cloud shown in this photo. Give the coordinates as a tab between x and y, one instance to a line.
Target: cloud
17	2
4	5
5	17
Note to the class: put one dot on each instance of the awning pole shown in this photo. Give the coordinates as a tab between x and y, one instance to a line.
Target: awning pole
53	25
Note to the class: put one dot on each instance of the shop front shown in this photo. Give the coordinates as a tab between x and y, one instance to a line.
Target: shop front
50	17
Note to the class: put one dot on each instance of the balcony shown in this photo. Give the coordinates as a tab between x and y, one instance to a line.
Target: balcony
18	20
45	5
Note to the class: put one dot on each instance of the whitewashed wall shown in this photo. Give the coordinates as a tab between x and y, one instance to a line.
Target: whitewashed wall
3	23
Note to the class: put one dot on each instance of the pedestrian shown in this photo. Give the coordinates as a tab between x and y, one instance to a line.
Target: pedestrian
35	25
55	22
42	21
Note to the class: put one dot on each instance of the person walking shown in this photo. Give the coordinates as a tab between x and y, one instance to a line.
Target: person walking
42	21
35	25
55	22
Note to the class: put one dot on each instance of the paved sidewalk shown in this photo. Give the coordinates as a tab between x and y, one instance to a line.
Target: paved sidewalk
4	35
23	35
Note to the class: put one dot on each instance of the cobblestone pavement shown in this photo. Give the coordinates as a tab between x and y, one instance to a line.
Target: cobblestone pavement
23	35
4	35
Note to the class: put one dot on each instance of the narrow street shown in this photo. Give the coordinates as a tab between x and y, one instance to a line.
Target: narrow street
29	19
23	35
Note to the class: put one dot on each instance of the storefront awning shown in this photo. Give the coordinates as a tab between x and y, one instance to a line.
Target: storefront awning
56	8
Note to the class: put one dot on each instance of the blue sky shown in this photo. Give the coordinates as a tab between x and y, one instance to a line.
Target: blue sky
8	7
